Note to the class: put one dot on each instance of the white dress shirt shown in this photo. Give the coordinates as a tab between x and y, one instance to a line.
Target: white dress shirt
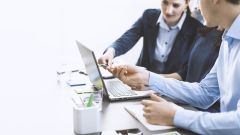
166	37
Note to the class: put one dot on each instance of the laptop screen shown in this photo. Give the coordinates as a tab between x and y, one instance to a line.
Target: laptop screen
91	66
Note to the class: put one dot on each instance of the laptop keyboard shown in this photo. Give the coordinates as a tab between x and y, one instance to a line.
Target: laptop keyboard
119	89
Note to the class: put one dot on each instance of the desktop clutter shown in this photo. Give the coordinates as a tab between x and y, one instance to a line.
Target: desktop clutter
87	88
86	115
87	109
87	106
86	100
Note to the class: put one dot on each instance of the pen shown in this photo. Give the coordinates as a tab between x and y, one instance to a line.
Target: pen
63	72
77	102
74	70
103	65
80	84
83	73
90	101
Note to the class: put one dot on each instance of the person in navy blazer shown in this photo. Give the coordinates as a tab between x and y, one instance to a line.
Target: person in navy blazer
154	26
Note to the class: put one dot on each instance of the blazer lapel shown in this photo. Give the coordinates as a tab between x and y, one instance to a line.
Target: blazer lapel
152	41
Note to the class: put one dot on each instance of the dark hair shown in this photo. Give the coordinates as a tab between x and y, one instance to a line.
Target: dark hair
205	30
234	1
219	39
188	11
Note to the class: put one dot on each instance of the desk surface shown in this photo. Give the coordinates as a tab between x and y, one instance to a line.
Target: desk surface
115	117
47	110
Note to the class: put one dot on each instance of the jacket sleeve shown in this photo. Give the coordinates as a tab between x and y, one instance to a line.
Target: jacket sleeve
129	38
183	71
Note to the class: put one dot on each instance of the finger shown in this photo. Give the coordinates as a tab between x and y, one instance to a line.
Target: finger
150	121
156	98
101	61
109	62
119	70
113	70
146	115
131	68
148	118
122	74
133	87
116	70
140	86
110	68
130	81
147	102
123	78
146	109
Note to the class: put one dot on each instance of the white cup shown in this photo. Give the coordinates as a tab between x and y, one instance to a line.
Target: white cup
86	119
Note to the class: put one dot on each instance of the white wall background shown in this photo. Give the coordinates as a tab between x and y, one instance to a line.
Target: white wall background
98	23
38	36
31	33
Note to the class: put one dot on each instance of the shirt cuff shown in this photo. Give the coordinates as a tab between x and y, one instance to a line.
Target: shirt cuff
183	118
156	82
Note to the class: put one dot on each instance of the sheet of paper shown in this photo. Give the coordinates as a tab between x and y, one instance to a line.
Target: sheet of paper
109	133
169	133
83	89
137	112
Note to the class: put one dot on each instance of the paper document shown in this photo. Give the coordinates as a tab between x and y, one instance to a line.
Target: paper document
137	112
109	133
169	133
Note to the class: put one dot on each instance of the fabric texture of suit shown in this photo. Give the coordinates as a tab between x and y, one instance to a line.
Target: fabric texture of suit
146	26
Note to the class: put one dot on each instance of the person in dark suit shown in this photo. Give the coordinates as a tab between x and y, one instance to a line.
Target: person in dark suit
167	38
207	41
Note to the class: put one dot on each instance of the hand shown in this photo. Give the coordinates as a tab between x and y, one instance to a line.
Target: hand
158	111
136	77
107	57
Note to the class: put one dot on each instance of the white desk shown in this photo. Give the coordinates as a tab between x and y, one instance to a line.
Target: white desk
115	117
43	108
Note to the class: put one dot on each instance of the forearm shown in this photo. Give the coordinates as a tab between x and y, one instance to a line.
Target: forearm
173	75
196	94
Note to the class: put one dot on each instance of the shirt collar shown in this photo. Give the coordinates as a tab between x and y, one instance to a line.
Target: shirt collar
163	24
233	31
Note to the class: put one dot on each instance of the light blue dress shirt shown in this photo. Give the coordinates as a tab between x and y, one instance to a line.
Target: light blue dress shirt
166	37
222	82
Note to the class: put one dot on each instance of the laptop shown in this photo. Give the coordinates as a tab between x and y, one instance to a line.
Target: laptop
114	89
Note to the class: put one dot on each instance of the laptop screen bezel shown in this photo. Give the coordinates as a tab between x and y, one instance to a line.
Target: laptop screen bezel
96	64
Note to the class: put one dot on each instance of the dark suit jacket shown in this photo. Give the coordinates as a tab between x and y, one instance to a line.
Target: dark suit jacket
147	27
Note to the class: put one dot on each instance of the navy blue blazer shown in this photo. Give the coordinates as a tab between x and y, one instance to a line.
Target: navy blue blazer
203	55
146	26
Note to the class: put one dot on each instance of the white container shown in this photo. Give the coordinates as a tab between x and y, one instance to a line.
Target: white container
86	119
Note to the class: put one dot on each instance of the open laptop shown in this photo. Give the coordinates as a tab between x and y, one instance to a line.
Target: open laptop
113	88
